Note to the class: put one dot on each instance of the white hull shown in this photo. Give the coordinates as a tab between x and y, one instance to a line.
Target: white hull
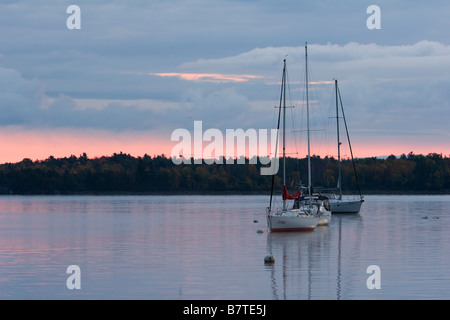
345	206
292	220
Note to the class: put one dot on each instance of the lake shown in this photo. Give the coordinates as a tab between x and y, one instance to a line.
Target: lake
208	247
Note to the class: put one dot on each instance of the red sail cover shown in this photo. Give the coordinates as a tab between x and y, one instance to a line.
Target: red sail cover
287	196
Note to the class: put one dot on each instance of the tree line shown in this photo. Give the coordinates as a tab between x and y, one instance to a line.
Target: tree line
123	173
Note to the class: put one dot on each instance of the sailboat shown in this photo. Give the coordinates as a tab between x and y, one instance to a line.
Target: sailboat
321	201
307	211
339	203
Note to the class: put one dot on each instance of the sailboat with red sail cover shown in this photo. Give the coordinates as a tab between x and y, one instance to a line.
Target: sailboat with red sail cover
308	211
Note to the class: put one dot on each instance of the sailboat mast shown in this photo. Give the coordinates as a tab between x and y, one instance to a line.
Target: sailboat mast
278	130
349	144
338	140
284	129
307	115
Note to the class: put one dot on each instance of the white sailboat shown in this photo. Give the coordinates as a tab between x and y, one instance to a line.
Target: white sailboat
321	201
307	212
339	203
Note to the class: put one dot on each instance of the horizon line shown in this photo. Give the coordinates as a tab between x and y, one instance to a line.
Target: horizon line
381	157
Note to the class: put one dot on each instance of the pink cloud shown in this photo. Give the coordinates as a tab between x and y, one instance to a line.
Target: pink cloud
211	77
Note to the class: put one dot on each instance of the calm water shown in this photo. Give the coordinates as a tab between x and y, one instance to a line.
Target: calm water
207	247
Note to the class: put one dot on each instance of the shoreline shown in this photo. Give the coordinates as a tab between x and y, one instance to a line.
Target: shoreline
223	193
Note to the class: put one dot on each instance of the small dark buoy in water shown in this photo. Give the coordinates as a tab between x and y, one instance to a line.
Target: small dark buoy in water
259	231
269	259
255	221
426	217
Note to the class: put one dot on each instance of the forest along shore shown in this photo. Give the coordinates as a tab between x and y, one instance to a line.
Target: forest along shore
126	174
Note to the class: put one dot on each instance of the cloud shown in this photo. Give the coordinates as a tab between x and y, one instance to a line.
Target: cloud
211	77
20	99
24	102
379	60
380	85
398	89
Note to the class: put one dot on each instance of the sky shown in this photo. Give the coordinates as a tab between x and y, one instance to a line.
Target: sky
137	70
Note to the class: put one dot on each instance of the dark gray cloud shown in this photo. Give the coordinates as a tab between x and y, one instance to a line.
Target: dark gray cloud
20	99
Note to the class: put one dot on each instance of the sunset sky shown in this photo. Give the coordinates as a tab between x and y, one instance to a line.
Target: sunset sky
138	70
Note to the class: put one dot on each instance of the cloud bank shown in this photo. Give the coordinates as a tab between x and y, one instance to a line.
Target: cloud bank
381	84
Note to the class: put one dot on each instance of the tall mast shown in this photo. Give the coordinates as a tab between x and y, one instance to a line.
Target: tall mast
338	140
307	115
349	144
278	130
284	129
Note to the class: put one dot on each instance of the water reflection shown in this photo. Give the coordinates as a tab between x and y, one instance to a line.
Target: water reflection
207	247
309	265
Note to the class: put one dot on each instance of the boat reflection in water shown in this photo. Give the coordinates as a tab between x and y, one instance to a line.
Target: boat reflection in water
305	262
